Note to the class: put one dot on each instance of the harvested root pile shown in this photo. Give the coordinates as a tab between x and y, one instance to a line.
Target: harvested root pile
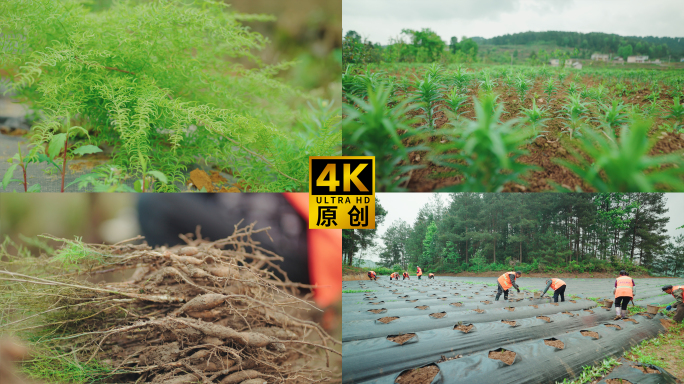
210	312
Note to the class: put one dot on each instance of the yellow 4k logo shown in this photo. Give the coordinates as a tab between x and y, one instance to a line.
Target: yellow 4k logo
347	203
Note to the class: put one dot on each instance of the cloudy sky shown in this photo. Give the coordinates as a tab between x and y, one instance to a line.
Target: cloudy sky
405	206
380	20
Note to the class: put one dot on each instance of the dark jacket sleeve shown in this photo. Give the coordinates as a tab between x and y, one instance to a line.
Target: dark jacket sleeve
547	287
512	277
678	296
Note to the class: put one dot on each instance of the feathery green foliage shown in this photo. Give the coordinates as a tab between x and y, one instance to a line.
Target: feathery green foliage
167	83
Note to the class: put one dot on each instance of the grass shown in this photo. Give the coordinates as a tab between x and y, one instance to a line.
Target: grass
52	366
589	373
665	351
358	290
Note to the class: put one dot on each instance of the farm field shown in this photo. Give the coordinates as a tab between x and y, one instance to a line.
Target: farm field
516	128
452	330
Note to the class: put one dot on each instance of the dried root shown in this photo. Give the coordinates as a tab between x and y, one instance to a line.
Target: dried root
210	312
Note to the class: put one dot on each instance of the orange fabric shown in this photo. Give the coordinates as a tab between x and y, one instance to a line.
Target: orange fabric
505	281
430	274
371	273
676	287
624	286
325	255
420	272
406	274
557	283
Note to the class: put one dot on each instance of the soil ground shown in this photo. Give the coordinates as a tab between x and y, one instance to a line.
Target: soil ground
438	315
511	323
545	318
465	328
555	343
590	333
401	339
666	351
387	320
423	375
507	357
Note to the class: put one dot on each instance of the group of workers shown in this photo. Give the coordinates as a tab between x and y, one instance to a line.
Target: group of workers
395	275
624	290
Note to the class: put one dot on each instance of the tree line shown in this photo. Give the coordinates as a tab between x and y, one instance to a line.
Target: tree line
575	232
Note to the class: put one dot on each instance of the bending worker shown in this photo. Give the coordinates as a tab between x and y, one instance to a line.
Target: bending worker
372	275
431	275
558	287
624	292
406	276
506	281
394	276
419	273
677	291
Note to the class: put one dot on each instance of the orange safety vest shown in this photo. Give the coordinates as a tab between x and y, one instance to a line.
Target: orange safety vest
624	286
325	255
505	281
420	272
371	273
676	287
557	283
406	274
431	274
395	275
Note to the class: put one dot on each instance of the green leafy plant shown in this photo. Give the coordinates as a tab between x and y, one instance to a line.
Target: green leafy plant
103	179
574	111
165	83
18	160
534	116
487	149
675	111
614	115
624	163
522	85
373	130
428	93
487	84
456	101
550	88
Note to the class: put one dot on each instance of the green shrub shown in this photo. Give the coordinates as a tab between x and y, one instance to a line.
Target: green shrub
383	271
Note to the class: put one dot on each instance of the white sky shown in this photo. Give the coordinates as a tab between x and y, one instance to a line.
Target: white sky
380	20
405	206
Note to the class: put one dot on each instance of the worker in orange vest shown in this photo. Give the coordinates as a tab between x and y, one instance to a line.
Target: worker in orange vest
406	276
372	275
558	287
419	273
431	275
678	292
394	276
506	281
624	292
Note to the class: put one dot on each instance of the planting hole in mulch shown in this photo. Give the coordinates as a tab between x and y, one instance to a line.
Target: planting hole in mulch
401	339
593	334
479	310
568	313
422	307
509	322
613	325
553	342
556	304
376	311
422	375
646	369
534	306
387	319
486	302
507	357
631	320
509	309
545	318
438	315
459	304
376	302
618	381
411	301
588	310
444	358
465	328
573	301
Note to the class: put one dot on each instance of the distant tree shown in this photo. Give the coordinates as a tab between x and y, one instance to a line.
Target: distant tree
453	45
426	42
625	51
355	241
353	36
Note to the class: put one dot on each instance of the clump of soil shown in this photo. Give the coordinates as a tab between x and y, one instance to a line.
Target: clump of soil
479	310
556	304
568	313
387	319
465	328
376	302
618	381
411	301
613	326
486	302
573	301
459	304
422	307
401	339
444	358
554	343
534	306
646	369
588	310
545	318
202	312
509	322
507	357
510	309
632	320
422	375
376	311
200	180
438	315
590	333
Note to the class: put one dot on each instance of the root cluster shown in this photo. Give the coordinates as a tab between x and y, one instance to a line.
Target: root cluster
210	312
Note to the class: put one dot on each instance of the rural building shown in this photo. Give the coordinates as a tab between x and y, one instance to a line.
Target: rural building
577	65
637	59
554	62
568	63
618	60
600	57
